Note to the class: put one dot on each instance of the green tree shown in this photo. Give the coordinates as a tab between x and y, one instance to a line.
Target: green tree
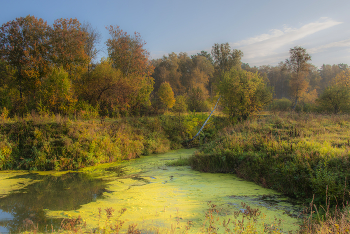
180	104
225	58
335	99
57	94
299	66
8	92
197	100
243	93
204	54
166	95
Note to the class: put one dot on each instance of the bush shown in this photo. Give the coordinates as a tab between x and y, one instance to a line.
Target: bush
282	104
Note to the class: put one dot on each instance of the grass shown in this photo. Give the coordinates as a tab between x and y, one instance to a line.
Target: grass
326	220
53	142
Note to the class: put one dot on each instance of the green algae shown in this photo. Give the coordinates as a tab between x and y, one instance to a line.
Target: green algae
155	196
66	191
8	182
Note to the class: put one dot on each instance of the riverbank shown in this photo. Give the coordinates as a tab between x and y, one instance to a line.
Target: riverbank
58	143
298	155
305	156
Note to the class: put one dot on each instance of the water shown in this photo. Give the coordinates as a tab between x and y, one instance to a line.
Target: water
144	192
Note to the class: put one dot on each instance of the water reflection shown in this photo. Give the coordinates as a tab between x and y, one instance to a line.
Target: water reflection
25	207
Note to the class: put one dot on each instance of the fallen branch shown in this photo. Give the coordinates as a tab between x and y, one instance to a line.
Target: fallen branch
205	121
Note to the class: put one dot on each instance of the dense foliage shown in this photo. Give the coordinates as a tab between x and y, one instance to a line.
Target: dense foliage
53	69
55	143
243	93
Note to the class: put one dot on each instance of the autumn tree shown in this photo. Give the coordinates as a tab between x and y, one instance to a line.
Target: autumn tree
299	66
101	86
185	68
92	40
115	93
342	78
128	53
243	93
167	70
24	45
202	72
68	39
166	95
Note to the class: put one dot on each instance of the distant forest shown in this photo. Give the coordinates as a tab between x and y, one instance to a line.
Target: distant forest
52	69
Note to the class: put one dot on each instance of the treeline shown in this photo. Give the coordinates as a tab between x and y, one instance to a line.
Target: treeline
322	89
49	68
52	69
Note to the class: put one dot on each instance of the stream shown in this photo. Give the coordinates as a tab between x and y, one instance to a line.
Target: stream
144	194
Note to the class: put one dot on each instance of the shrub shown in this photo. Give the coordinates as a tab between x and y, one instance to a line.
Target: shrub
282	104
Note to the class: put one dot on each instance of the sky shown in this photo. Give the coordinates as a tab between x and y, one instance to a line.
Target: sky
264	30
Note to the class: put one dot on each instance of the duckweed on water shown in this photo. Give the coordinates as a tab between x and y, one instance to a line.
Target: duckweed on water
155	196
9	183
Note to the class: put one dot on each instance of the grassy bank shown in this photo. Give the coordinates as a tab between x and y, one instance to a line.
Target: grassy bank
56	143
301	156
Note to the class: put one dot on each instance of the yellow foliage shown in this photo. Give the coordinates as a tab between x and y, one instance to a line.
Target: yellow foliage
166	95
342	79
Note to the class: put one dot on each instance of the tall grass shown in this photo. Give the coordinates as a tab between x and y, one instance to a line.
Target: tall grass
296	154
53	142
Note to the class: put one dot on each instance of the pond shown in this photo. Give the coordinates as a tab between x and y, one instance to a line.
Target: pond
144	194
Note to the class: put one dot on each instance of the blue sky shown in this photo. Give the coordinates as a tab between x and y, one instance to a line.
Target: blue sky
264	30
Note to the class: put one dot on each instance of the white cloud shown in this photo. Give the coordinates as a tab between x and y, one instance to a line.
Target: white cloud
262	37
344	43
273	43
